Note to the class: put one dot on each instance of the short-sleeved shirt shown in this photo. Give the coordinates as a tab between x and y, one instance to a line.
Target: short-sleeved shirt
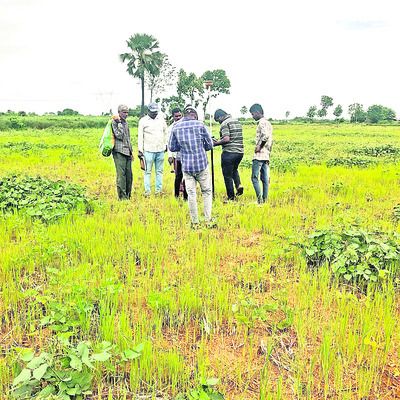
232	128
263	134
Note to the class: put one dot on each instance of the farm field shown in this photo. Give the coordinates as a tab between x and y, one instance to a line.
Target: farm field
295	299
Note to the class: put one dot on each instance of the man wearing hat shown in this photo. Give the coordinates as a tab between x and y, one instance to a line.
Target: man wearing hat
192	139
231	140
122	153
152	144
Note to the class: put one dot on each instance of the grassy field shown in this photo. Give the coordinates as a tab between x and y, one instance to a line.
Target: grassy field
298	298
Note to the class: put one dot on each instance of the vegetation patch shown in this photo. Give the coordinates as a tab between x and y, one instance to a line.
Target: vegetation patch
42	198
352	161
377	151
354	255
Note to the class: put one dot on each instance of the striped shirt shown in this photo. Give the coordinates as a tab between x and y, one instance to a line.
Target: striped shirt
192	139
233	128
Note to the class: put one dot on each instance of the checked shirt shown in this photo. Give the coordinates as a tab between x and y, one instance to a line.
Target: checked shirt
192	139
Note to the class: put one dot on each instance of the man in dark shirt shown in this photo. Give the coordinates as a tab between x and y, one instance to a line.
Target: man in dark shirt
122	153
231	140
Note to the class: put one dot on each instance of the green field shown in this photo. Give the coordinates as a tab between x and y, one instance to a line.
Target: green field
297	298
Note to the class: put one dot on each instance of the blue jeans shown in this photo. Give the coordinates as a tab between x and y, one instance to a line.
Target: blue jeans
158	160
260	166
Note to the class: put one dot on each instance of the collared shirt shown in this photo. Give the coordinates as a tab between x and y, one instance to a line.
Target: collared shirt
233	128
122	137
192	139
152	134
263	134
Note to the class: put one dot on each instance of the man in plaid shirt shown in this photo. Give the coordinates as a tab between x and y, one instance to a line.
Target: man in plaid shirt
122	153
192	139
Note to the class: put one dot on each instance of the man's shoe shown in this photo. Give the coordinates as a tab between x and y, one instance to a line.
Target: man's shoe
239	191
211	224
195	226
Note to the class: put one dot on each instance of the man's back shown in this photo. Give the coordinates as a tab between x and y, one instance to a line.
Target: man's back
192	139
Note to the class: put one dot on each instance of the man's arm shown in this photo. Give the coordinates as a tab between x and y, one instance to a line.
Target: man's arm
173	144
118	130
208	143
140	137
225	139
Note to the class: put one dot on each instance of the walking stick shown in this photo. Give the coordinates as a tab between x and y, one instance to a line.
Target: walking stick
208	86
212	172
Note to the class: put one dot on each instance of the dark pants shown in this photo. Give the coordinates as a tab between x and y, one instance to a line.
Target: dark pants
179	179
229	164
123	167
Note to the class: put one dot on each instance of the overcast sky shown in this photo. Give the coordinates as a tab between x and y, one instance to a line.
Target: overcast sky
57	54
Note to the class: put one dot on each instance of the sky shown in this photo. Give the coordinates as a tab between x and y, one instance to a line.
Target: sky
57	54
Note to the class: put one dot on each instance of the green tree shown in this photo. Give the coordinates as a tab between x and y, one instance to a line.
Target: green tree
326	102
311	113
167	104
356	112
388	114
190	87
321	113
337	112
243	110
221	85
378	113
166	78
67	112
143	58
287	113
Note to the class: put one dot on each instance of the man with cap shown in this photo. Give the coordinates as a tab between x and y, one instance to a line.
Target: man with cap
192	139
152	144
122	153
262	152
231	140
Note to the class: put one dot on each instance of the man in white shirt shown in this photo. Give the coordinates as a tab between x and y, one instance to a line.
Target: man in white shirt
152	144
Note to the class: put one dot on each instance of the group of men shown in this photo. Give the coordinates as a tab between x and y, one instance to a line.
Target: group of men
187	141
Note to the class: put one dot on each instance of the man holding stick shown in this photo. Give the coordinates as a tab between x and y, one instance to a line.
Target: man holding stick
192	138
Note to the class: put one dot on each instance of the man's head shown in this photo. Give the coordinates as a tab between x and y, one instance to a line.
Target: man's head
176	114
152	110
190	111
257	111
219	115
123	111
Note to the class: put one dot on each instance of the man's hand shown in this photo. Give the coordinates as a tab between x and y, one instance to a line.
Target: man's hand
140	154
170	160
257	149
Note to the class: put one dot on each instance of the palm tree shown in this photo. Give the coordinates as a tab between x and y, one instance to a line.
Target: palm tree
143	58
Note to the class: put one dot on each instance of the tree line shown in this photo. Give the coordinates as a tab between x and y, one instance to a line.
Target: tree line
374	114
